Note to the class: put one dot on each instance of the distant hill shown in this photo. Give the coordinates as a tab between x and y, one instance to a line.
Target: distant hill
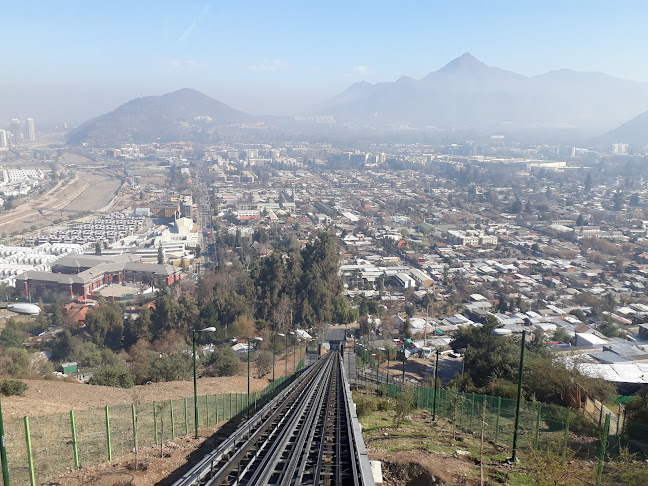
466	93
633	132
181	115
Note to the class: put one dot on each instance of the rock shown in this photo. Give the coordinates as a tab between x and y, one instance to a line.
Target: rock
460	452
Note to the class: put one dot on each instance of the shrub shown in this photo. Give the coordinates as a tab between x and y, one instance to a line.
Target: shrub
404	405
13	387
384	405
365	405
223	362
263	361
112	376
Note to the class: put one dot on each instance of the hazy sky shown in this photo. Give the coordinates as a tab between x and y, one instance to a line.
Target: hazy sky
69	60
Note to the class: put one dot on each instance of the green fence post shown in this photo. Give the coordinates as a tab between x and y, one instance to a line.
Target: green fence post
207	410
134	416
230	407
472	411
75	449
108	442
216	402
186	418
30	458
155	430
537	427
172	421
566	434
3	452
604	439
497	419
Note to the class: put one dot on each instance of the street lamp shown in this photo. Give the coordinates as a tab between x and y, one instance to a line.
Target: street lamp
387	352
519	399
404	358
377	363
286	363
294	344
248	359
195	375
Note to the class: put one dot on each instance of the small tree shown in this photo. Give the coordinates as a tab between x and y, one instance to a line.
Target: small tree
263	362
160	255
552	468
97	248
404	405
454	409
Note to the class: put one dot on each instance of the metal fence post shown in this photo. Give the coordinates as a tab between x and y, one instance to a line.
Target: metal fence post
566	434
207	410
216	402
185	414
3	452
155	430
30	458
230	407
134	416
108	442
172	421
75	449
472	411
604	439
497	419
537	426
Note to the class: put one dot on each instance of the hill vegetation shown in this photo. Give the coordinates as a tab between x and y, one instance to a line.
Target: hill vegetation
184	115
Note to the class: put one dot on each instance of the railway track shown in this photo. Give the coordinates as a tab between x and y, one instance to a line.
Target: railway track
307	435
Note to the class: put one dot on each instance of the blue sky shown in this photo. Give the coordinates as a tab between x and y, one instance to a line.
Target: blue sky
278	56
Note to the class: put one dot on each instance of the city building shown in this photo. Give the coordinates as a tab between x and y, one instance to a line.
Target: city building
31	130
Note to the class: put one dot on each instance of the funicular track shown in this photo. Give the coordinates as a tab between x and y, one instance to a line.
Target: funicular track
307	435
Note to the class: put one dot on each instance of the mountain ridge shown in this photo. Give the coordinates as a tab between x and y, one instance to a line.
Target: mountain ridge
467	92
185	114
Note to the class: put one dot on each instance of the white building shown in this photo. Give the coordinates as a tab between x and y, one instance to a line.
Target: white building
31	130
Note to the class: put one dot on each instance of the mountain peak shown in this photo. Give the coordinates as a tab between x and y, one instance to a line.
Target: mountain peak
464	63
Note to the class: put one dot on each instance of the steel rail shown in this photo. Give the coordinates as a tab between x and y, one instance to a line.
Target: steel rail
307	435
205	466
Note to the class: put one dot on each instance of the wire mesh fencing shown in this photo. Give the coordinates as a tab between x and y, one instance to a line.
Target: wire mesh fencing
42	447
540	426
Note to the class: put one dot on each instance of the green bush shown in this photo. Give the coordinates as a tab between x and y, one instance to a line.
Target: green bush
365	405
404	405
384	405
223	362
112	376
13	387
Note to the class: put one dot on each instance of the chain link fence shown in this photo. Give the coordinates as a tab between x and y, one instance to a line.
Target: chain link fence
541	426
42	447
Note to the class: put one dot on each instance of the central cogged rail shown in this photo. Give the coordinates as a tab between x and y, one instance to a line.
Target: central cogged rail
307	435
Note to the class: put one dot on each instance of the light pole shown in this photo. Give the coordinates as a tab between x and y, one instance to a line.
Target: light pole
403	365
248	360
286	363
273	366
377	362
195	375
294	343
436	375
519	399
387	352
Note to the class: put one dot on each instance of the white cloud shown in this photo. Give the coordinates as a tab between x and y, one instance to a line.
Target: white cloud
361	69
